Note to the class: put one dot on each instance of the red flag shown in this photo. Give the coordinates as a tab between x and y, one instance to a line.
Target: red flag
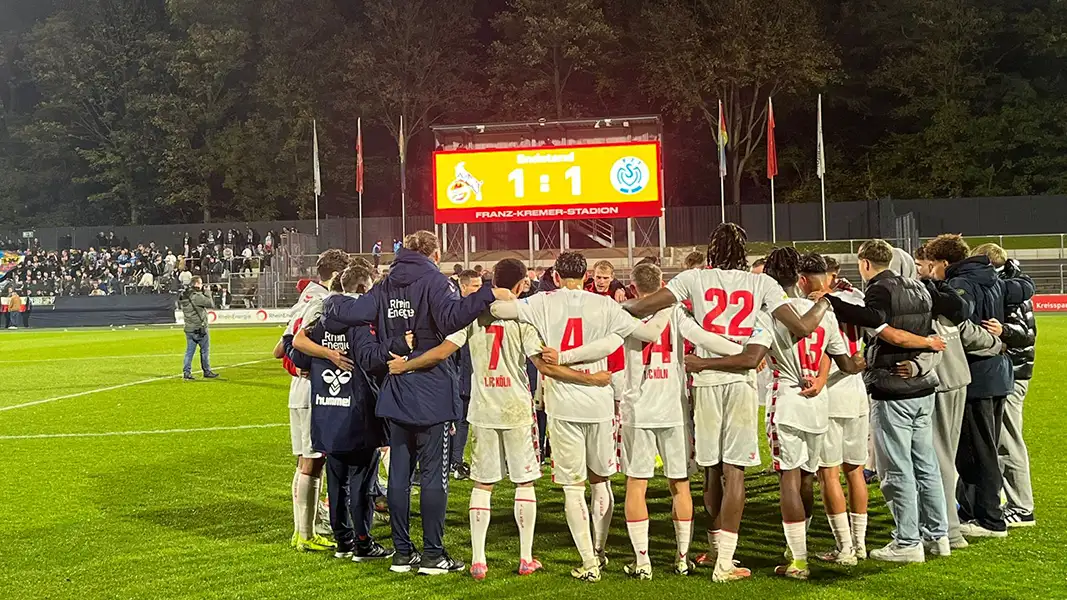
772	149
359	155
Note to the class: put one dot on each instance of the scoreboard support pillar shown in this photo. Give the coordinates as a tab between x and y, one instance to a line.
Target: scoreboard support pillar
530	234
630	242
466	247
662	238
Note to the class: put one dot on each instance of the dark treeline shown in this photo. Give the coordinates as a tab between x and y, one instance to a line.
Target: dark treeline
153	111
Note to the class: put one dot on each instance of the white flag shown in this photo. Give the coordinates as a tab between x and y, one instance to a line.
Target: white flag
315	143
820	156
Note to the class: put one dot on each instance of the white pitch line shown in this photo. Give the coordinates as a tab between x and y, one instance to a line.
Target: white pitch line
147	432
119	356
120	386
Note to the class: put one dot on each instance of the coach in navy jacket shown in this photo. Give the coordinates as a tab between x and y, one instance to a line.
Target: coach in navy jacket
420	406
414	297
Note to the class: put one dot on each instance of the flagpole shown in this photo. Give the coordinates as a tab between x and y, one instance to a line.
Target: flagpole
403	183
772	165
822	184
722	195
722	141
359	176
318	177
774	218
820	167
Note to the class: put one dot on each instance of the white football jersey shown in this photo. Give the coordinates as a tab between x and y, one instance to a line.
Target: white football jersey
566	319
500	385
307	309
792	360
848	394
726	302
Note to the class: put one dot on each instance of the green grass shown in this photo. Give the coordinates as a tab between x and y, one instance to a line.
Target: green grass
207	514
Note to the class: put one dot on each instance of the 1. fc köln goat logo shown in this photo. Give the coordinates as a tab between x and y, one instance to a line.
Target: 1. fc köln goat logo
336	379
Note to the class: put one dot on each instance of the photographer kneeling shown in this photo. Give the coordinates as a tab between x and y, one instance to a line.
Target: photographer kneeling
194	304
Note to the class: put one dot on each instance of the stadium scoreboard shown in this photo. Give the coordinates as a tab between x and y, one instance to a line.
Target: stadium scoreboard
587	181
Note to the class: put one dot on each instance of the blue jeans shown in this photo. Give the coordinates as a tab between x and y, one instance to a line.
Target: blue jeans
908	469
192	340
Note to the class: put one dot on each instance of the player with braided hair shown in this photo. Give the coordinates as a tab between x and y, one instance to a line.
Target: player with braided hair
726	248
726	300
797	410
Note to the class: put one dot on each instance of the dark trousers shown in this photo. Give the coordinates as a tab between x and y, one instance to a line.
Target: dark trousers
350	480
978	490
459	442
428	447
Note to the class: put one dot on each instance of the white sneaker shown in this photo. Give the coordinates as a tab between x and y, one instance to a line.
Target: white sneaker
938	547
959	544
847	559
899	554
973	529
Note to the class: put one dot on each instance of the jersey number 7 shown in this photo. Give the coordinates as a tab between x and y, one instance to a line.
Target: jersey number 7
497	333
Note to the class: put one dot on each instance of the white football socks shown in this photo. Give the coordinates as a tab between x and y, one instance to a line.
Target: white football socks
638	531
683	535
296	501
859	529
479	517
577	513
842	535
526	518
796	537
727	544
603	504
307	503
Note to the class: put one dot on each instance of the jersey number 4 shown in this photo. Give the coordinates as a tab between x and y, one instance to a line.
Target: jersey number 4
719	303
572	335
662	346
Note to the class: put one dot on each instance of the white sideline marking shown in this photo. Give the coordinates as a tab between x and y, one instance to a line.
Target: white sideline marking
122	385
116	356
147	432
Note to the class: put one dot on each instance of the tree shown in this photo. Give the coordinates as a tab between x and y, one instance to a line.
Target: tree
410	59
739	51
545	47
94	66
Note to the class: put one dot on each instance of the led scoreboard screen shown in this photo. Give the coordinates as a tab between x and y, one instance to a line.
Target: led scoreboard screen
601	181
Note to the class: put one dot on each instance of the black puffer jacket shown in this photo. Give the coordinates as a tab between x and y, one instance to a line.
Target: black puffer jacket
1020	328
987	297
905	304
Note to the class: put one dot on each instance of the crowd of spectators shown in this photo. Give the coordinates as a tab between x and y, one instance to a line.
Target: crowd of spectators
114	266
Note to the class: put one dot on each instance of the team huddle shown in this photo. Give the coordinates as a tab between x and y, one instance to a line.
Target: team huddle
674	377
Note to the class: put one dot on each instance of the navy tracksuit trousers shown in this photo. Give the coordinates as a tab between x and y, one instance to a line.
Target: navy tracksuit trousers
429	447
350	481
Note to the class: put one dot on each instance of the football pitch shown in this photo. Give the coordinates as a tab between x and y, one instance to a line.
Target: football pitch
120	480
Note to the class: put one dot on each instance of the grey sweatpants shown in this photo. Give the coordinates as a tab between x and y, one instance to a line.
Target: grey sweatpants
948	420
1014	459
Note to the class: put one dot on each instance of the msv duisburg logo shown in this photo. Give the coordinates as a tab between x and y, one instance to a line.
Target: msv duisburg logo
629	175
336	379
